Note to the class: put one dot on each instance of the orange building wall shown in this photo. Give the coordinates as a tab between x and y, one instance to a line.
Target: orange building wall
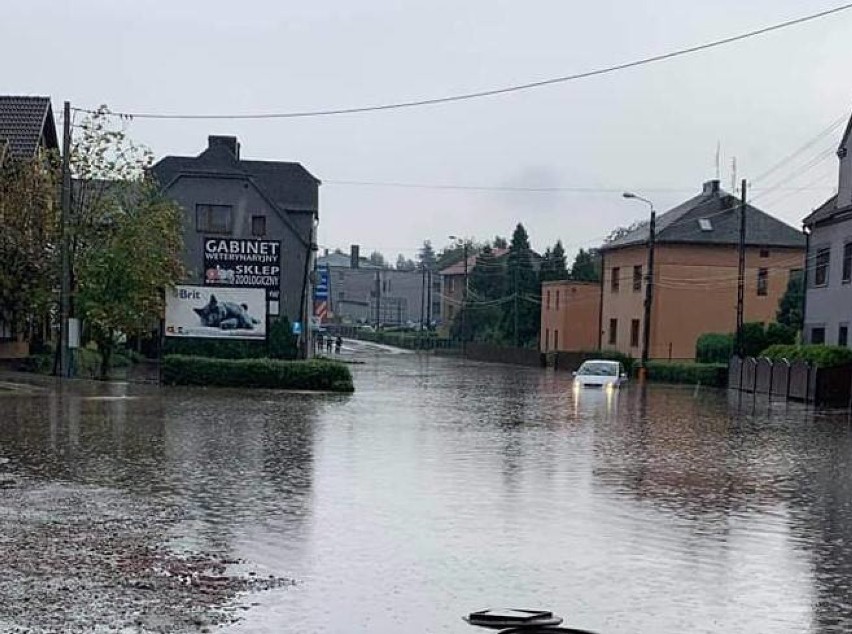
695	293
575	318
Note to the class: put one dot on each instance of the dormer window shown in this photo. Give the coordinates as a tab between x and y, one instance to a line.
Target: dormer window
705	224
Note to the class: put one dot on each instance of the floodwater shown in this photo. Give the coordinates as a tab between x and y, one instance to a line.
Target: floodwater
443	486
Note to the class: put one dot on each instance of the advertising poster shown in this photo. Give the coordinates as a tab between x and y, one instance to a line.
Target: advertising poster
218	313
243	263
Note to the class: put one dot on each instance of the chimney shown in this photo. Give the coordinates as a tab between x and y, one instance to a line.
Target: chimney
354	256
230	143
711	187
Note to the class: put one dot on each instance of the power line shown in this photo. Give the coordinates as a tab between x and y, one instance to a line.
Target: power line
496	91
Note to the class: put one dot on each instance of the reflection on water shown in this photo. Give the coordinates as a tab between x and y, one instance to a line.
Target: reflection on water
441	487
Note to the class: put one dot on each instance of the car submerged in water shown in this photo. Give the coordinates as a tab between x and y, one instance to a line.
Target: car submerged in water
600	373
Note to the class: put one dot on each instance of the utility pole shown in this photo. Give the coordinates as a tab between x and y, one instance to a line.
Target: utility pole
65	285
422	294
464	302
429	298
649	295
515	297
741	271
378	298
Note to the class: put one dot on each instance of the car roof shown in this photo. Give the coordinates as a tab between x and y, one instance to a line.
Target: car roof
601	361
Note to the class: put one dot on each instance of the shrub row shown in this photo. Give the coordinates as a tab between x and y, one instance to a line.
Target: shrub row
281	345
820	355
87	362
711	374
718	347
264	373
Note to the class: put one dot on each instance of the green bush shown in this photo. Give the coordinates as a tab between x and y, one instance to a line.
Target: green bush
712	374
262	373
714	347
821	355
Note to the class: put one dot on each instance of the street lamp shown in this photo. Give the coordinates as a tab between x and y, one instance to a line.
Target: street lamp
649	285
464	294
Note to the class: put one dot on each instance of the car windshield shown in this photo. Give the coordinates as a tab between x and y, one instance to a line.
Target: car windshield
598	368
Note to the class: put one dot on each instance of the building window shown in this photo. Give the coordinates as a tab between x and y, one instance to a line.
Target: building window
764	253
451	284
637	278
613	332
341	295
818	335
213	218
821	266
450	312
546	339
847	262
557	300
762	281
614	282
556	340
634	333
258	226
548	300
843	335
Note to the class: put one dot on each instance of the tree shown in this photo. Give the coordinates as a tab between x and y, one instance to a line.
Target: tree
486	300
29	217
586	266
790	305
553	265
377	259
500	242
521	324
126	236
426	257
403	264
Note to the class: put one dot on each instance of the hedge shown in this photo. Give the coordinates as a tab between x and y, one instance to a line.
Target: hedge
718	347
714	347
282	345
817	354
711	374
263	373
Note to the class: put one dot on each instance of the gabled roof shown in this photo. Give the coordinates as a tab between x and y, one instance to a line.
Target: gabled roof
26	123
719	213
458	267
288	185
343	261
822	213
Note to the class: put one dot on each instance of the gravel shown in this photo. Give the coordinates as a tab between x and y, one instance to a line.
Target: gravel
79	558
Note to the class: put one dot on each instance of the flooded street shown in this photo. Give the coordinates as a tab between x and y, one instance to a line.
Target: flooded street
442	486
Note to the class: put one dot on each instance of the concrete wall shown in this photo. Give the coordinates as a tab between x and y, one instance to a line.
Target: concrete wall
569	316
695	293
829	306
247	201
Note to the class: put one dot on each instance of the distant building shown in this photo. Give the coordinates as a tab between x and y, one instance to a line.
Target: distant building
828	294
236	204
361	292
570	316
27	132
695	275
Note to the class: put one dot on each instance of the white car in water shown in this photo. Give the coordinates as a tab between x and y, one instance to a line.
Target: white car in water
600	373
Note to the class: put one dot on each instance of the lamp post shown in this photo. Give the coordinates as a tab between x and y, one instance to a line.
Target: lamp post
649	286
464	295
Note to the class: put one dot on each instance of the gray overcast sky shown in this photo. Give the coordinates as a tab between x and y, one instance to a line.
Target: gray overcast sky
648	128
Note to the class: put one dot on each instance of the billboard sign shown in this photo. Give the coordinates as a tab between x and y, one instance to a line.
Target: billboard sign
217	313
321	288
243	263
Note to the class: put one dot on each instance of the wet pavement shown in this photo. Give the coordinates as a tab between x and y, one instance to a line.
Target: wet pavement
438	488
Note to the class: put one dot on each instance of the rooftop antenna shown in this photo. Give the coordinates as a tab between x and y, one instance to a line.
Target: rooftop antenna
734	188
718	160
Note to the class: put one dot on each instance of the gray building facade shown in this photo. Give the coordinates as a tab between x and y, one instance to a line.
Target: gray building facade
230	200
360	292
828	294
